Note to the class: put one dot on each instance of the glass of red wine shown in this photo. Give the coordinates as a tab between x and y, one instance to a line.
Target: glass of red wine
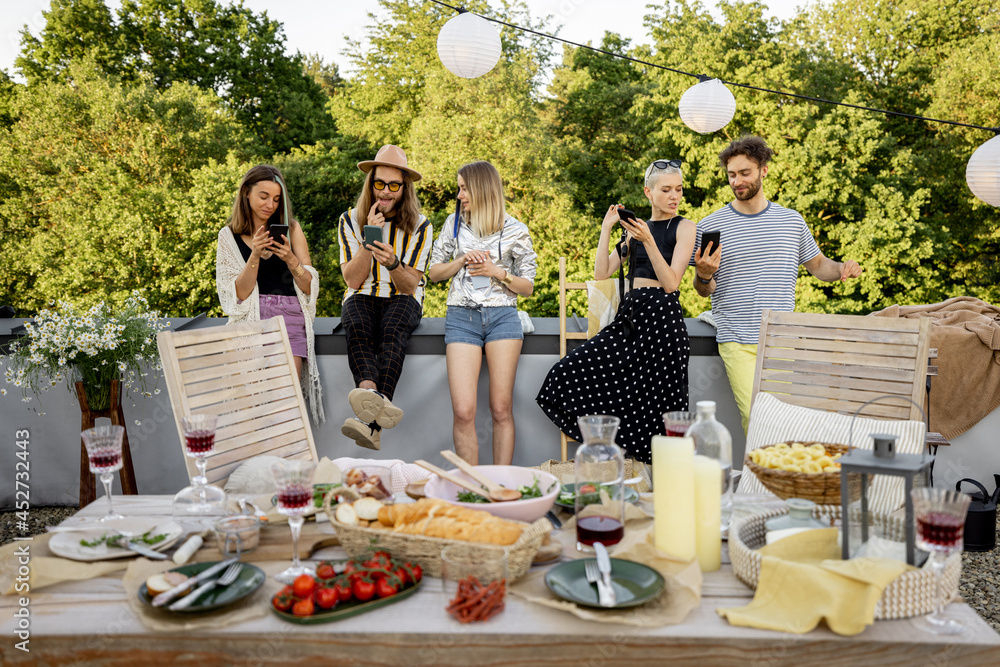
599	488
200	499
678	422
104	451
293	479
940	516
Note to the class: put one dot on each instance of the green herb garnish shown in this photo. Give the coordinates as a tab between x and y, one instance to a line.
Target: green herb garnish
119	540
470	497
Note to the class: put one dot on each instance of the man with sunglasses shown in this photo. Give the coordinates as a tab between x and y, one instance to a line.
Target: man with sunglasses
385	281
765	244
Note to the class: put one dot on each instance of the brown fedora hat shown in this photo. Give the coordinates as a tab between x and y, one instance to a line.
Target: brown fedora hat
390	156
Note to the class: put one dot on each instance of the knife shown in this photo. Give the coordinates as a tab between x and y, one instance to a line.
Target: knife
143	550
605	592
167	596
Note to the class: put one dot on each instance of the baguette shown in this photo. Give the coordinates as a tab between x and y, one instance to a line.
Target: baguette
437	518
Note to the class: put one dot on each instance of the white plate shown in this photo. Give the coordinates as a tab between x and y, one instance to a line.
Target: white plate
67	544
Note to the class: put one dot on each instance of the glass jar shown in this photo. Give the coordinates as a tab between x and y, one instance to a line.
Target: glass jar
599	476
799	518
713	440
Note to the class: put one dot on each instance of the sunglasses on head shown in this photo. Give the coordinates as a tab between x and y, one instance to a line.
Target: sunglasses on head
381	185
663	164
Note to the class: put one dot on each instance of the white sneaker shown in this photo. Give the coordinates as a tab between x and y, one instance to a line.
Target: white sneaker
372	406
363	434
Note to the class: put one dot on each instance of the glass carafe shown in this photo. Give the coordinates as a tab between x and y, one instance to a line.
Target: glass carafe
599	483
713	440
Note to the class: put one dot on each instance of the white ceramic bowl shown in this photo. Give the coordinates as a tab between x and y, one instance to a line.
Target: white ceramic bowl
512	477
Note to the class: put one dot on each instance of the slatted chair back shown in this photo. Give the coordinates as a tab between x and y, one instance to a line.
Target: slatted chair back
839	362
565	335
245	374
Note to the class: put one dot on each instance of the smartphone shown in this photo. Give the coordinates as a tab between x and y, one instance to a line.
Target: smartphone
626	214
276	231
708	239
373	233
481	282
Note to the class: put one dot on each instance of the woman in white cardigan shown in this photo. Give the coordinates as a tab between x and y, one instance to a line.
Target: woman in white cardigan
259	277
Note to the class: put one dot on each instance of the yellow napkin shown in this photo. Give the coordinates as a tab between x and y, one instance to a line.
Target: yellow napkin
43	569
803	581
602	304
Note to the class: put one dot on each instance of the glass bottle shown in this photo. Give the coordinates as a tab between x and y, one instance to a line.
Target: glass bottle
599	467
798	519
713	440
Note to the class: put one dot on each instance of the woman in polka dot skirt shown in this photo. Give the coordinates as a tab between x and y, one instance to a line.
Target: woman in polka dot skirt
636	368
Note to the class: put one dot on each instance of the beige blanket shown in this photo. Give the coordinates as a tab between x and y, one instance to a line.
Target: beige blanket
966	333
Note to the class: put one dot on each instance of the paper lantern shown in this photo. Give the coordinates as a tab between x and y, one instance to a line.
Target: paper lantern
469	45
983	172
707	106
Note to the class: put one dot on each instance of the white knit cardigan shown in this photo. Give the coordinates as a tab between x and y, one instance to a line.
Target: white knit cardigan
229	263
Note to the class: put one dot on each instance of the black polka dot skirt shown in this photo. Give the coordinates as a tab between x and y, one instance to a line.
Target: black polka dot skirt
634	377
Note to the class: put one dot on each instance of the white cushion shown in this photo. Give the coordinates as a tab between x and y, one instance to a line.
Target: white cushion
253	477
773	421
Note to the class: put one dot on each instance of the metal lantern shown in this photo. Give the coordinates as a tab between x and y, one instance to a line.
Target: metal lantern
469	45
707	106
983	172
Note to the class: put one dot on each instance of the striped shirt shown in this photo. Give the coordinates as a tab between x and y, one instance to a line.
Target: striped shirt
411	249
761	254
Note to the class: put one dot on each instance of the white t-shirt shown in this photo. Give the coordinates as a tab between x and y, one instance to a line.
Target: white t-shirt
411	249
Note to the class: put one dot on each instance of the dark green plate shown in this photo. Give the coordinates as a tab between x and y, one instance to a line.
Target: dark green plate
634	583
631	496
346	609
249	580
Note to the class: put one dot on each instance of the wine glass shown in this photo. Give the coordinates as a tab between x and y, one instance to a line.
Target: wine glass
200	499
940	516
294	484
678	422
104	451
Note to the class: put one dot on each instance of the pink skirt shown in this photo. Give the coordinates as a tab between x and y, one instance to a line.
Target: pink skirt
288	307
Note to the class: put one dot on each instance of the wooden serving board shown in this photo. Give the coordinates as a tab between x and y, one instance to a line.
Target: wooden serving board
276	543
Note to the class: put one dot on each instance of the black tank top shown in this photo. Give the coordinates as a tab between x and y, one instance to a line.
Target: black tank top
665	234
273	276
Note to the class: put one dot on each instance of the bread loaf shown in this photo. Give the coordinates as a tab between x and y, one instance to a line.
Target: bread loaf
437	518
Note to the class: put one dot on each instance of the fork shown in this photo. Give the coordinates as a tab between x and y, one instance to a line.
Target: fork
590	569
228	577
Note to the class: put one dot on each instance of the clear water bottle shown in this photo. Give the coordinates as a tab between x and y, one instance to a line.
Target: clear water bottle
599	484
713	440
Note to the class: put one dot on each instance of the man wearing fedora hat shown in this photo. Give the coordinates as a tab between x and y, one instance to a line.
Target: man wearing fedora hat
385	279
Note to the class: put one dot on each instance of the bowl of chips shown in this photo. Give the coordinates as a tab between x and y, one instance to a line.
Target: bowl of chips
800	470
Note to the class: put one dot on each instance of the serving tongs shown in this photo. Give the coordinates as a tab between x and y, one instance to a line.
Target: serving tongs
498	493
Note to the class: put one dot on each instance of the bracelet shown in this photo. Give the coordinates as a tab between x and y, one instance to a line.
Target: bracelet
393	265
703	281
507	278
252	266
298	271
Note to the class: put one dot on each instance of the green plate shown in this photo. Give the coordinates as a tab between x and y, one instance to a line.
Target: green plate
346	609
631	495
634	583
249	580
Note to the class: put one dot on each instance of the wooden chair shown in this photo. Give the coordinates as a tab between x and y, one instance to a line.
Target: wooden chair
565	335
839	362
245	374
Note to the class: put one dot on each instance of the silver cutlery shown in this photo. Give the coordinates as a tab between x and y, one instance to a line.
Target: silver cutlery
179	589
142	549
594	577
228	577
607	594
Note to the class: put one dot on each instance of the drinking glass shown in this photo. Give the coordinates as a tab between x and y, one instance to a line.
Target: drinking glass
471	567
104	451
295	493
200	499
599	475
677	423
940	516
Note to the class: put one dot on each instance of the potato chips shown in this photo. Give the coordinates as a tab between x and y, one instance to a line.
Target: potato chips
796	457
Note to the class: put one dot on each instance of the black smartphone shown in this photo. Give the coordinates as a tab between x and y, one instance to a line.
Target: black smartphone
373	233
625	214
708	239
276	231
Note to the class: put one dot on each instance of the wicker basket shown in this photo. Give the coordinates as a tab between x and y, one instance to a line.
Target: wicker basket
823	488
426	551
910	594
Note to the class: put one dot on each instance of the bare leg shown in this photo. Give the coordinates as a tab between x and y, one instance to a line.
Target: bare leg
501	359
298	368
464	362
367	384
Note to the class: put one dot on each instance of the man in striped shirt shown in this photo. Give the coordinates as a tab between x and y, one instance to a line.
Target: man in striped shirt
385	289
764	245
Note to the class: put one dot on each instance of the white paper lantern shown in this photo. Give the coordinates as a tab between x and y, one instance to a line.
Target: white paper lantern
707	106
469	45
983	172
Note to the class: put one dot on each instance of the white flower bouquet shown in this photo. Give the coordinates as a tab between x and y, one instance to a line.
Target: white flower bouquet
95	347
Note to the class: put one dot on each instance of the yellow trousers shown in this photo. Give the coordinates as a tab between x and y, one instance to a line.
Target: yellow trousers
741	363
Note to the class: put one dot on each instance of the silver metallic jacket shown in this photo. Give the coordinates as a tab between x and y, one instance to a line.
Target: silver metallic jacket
509	248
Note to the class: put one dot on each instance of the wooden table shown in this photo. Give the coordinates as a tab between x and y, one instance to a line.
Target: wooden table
91	623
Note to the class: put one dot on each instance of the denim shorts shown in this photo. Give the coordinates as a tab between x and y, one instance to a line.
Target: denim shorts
478	326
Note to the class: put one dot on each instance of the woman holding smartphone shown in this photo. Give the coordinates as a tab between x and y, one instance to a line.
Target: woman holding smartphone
263	270
489	258
636	367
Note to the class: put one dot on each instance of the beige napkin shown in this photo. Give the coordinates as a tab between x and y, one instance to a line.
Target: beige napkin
681	592
44	568
250	607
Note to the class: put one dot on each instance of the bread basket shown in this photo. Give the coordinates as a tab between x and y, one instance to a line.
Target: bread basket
823	488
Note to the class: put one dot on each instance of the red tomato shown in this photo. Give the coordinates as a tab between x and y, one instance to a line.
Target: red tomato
343	591
303	607
384	589
326	598
351	567
282	601
416	572
403	575
363	590
588	488
382	554
304	586
325	571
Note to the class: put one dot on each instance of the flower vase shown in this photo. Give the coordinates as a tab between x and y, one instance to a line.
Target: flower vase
110	395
